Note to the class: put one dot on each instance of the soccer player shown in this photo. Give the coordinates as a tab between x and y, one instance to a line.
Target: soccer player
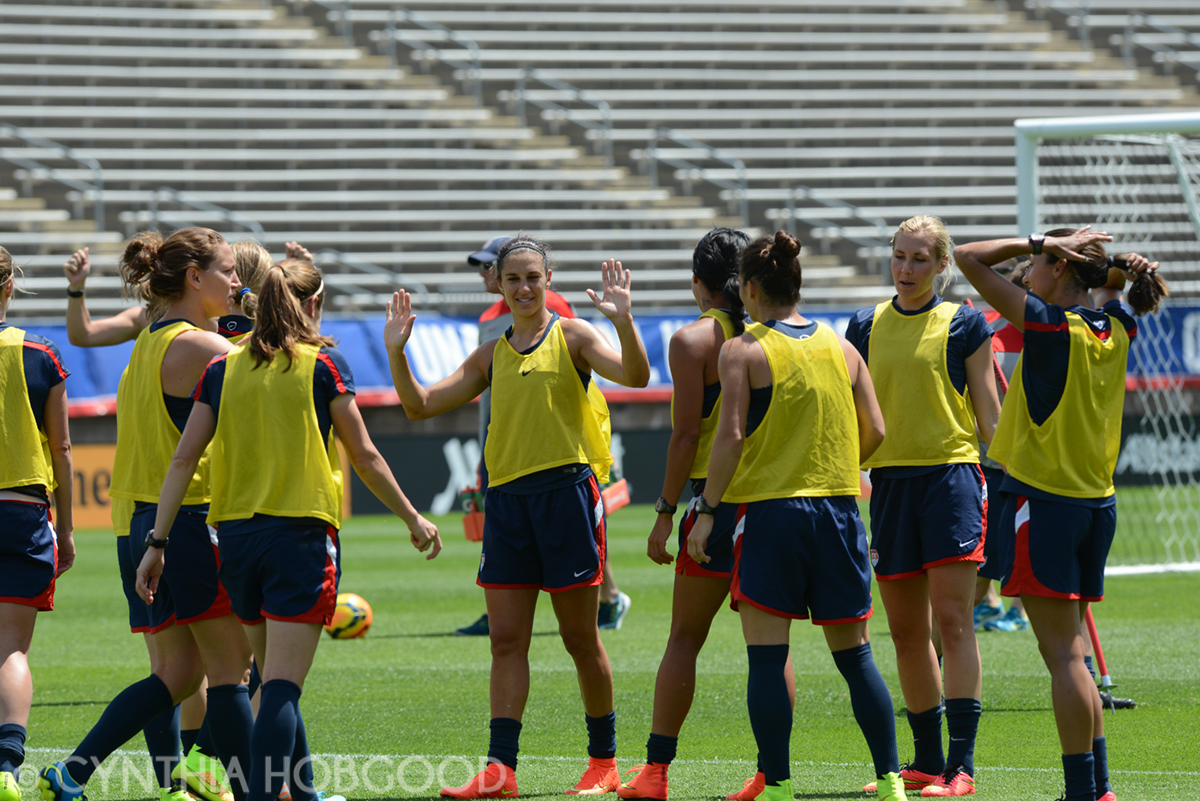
276	505
931	361
700	590
35	547
494	321
1059	438
798	416
547	450
187	281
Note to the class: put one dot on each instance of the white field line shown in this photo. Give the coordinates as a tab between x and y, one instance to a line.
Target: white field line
471	758
1141	570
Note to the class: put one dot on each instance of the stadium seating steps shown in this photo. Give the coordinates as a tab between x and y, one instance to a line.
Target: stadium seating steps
290	116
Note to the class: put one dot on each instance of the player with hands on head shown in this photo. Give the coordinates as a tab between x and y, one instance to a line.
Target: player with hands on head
1059	440
270	410
37	546
931	361
699	590
544	525
798	416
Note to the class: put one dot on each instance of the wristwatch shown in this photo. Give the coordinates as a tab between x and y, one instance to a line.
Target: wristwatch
153	543
1036	241
702	507
663	508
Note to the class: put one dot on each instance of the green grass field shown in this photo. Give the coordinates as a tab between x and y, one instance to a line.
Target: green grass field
410	689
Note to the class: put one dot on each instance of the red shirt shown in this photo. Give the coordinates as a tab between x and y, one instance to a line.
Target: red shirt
554	302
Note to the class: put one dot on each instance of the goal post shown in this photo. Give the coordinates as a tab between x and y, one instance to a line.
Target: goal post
1138	178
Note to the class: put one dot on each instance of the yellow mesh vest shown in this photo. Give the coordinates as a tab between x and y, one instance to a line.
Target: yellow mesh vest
928	422
26	459
708	425
268	456
1074	452
146	436
121	511
807	443
541	415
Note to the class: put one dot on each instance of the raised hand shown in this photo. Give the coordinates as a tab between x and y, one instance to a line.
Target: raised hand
1068	247
616	299
295	250
400	318
77	268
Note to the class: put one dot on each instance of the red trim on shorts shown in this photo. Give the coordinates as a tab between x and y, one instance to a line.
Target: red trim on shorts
221	605
166	624
337	376
842	620
43	601
140	630
322	609
509	586
685	565
1091	599
599	535
1022	580
62	373
897	576
974	556
257	622
733	602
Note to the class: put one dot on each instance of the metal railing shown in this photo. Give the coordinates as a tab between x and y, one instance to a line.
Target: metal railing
877	245
522	95
167	194
424	50
737	188
36	169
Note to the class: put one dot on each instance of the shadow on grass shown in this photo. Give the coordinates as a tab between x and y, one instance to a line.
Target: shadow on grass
830	795
451	634
70	703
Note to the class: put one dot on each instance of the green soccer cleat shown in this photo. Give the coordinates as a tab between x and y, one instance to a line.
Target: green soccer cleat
611	616
56	784
9	789
777	792
1012	620
203	775
175	793
984	613
891	788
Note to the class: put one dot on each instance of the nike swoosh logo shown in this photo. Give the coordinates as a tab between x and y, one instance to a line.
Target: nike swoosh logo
580	573
508	792
527	372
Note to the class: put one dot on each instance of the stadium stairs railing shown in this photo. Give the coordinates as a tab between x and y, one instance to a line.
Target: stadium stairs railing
876	247
157	197
35	170
521	95
689	171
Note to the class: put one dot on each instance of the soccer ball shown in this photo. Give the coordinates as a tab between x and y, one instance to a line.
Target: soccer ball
351	617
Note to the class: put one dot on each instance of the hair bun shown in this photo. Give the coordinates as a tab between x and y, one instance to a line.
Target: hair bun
787	244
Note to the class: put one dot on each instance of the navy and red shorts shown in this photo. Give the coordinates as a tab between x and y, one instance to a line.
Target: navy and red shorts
992	566
1056	549
281	568
553	540
28	554
802	557
928	520
719	547
188	590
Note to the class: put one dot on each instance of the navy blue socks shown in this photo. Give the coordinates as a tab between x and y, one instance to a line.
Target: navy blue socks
602	736
162	742
12	747
1078	771
274	739
962	723
1100	768
302	788
504	742
872	705
255	677
770	709
126	715
204	739
660	749
927	740
230	721
187	738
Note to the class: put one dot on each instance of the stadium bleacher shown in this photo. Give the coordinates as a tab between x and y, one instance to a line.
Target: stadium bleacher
287	116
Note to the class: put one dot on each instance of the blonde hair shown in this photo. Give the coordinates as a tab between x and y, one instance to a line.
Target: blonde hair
941	245
251	261
280	321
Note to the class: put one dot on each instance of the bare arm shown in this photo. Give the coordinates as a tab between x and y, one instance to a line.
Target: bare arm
1114	289
82	330
54	418
630	367
982	388
464	384
375	473
866	406
201	425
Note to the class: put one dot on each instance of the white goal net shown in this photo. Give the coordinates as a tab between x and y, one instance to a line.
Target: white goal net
1138	179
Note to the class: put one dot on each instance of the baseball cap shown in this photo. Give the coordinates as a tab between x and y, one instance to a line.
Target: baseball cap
489	252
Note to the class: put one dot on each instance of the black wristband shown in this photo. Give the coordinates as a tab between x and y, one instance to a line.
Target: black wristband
74	293
663	508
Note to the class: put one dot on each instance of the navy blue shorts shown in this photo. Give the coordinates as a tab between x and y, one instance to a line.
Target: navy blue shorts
282	568
1055	549
801	558
719	547
550	540
929	520
28	554
188	589
992	566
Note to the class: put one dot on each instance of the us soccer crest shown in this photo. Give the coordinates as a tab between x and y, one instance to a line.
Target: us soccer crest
874	558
